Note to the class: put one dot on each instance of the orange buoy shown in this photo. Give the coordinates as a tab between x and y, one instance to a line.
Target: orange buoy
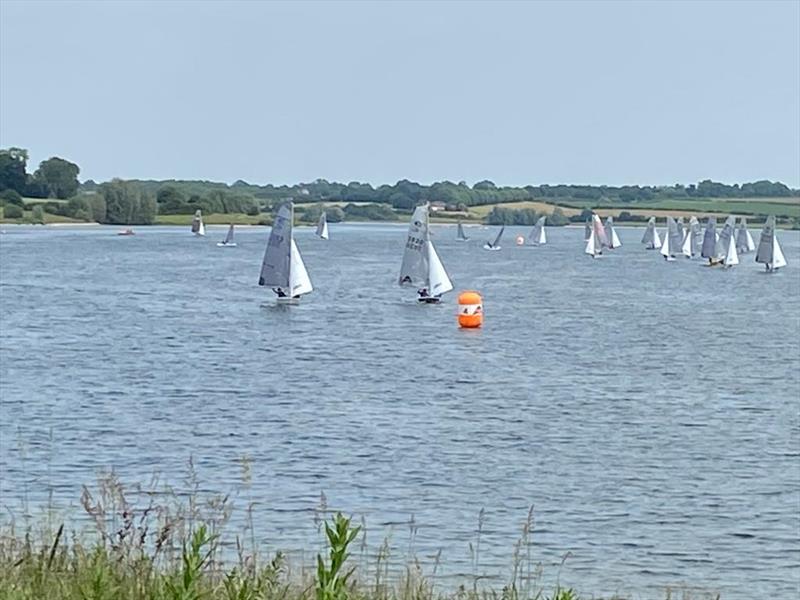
520	240
470	310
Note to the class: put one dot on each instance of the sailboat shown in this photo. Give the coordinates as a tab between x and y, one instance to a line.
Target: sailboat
688	241
680	228
650	237
587	229
228	241
726	238
282	268
744	241
709	248
421	266
731	256
460	235
672	241
322	226
198	228
597	238
495	245
612	241
697	238
538	235
769	250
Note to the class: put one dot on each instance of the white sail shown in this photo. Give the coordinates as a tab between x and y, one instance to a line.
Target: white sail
275	266
697	239
611	234
438	281
665	249
599	232
591	244
731	256
414	269
778	259
299	281
202	229
686	248
322	226
538	236
680	228
656	238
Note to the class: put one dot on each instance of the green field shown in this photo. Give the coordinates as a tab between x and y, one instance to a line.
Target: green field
213	219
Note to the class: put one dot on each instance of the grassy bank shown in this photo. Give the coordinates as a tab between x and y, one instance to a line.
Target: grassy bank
150	544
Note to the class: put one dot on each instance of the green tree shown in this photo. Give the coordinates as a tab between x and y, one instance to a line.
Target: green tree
59	176
12	169
11	196
334	214
171	200
557	218
37	214
127	203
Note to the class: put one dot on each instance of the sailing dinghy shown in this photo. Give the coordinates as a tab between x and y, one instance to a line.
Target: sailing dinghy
769	252
697	237
744	241
421	266
282	268
726	238
611	234
198	227
672	241
460	235
228	241
597	238
322	226
709	248
538	235
651	240
495	245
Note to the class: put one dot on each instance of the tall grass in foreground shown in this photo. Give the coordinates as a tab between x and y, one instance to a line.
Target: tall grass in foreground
174	549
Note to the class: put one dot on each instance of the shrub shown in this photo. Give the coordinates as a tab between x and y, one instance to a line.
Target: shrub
12	211
37	216
11	197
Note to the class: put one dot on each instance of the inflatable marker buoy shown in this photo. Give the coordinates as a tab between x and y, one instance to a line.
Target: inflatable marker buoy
470	310
520	240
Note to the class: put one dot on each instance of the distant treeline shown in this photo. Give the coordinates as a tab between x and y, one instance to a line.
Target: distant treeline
139	201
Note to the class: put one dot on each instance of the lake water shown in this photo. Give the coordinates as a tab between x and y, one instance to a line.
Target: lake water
648	410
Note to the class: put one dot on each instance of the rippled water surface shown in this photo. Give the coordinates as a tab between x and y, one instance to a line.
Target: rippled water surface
648	410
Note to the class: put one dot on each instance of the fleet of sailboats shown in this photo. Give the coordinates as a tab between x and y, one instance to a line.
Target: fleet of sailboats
283	269
198	227
421	267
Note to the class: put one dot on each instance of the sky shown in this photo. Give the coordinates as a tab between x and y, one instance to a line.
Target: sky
651	93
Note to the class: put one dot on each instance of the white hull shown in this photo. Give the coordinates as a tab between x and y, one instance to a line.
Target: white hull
492	248
224	245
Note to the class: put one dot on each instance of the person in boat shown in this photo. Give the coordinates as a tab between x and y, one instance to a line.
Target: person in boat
423	293
406	279
280	292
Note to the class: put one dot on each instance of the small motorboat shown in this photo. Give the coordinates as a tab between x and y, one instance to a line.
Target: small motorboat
126	232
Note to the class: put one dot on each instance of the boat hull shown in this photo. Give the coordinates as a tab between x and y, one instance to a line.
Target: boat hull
224	245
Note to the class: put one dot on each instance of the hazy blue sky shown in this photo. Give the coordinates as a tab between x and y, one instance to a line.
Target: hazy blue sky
652	93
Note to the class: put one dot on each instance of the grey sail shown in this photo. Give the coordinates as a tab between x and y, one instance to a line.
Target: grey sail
697	237
679	225
229	236
460	235
725	237
766	244
196	221
277	257
649	238
709	248
499	235
587	230
675	239
536	232
415	268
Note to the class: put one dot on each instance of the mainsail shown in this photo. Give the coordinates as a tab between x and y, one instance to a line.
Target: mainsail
744	241
538	235
769	249
587	230
680	228
198	228
229	235
709	248
612	240
460	235
731	256
322	226
697	238
282	267
725	236
421	267
496	241
597	237
651	238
